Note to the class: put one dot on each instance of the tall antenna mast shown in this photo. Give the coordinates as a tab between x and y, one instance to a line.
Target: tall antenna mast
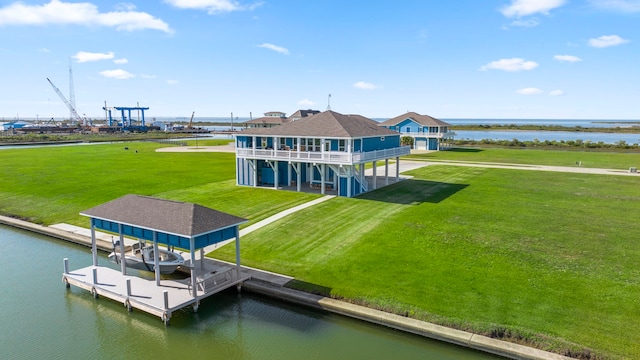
329	103
72	93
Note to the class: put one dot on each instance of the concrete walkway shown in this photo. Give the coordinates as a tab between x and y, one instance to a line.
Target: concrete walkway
567	169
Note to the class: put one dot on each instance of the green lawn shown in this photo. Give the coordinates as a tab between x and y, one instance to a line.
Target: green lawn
537	255
590	159
551	258
49	185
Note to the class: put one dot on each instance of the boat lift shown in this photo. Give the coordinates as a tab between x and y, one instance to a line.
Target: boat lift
127	123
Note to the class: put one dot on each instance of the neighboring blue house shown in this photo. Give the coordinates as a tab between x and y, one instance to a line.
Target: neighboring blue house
326	151
428	133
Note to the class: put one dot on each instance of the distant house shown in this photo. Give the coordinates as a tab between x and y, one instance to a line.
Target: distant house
302	113
270	119
428	133
275	118
326	151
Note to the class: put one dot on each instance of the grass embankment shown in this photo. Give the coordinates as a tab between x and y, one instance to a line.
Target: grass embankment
50	185
548	259
589	159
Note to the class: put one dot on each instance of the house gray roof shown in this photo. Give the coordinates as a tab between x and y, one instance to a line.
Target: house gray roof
168	216
268	120
303	113
328	124
425	120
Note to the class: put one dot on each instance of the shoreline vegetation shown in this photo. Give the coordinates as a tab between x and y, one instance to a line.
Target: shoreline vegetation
501	253
632	128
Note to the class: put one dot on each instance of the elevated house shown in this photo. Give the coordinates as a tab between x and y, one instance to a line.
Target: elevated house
428	133
326	151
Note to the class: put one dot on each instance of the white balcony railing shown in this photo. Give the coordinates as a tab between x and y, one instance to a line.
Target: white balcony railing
327	157
440	135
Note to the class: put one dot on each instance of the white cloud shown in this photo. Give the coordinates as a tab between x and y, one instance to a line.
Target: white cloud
172	82
529	91
45	50
365	85
83	56
212	6
519	8
556	93
526	23
81	13
121	61
511	65
567	58
147	76
274	48
627	6
117	74
306	102
607	40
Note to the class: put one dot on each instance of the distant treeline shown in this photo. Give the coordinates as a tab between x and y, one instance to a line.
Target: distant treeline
551	144
634	129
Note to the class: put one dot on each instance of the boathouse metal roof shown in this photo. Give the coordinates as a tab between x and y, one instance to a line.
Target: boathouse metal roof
326	124
420	119
167	216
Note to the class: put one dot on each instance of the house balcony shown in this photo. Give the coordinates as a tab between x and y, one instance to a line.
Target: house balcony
324	157
438	135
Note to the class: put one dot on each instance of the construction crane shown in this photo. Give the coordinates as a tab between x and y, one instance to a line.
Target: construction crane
71	108
190	126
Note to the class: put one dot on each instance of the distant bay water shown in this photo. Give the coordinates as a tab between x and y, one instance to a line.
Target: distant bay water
522	135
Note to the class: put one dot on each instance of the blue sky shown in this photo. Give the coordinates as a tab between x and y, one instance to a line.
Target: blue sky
536	59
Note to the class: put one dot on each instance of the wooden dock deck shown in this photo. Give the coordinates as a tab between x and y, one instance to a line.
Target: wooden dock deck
142	294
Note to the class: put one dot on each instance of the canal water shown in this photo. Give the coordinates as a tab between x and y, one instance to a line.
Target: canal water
41	319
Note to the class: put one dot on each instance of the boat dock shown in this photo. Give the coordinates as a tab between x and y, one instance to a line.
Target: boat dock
169	223
145	295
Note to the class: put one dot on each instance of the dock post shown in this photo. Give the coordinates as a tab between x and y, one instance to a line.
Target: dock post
66	265
167	315
127	303
95	275
165	293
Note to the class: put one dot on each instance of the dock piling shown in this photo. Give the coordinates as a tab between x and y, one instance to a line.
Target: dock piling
65	261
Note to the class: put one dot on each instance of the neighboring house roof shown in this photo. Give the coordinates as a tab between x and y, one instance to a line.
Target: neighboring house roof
303	113
424	120
168	216
272	120
326	124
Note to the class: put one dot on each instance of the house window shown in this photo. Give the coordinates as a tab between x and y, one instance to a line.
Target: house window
407	129
316	145
342	145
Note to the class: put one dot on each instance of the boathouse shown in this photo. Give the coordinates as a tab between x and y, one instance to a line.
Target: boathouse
426	132
173	224
327	151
